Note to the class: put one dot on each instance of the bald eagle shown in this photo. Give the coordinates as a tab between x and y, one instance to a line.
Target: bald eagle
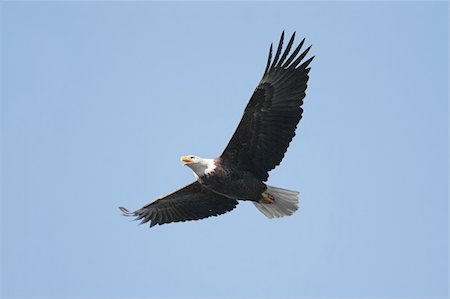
257	146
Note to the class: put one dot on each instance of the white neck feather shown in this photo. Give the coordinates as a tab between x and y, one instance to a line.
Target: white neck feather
203	167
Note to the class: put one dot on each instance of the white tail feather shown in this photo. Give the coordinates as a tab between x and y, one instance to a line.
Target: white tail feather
285	203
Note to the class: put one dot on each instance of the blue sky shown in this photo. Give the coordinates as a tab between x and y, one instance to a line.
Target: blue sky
99	100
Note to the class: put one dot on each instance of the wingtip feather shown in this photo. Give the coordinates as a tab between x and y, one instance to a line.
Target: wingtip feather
269	60
279	49
126	212
307	62
286	51
294	54
300	58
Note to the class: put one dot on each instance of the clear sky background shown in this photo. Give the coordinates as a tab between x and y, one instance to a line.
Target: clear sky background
99	100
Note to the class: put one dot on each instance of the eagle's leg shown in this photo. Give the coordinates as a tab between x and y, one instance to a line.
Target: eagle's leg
266	198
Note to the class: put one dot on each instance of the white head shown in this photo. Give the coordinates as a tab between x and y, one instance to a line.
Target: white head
199	165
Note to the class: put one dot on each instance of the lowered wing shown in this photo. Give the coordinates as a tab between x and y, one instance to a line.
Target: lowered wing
192	202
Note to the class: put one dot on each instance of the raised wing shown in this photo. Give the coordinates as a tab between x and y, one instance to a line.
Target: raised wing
272	114
192	202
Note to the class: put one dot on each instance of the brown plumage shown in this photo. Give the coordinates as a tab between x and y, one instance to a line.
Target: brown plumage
257	146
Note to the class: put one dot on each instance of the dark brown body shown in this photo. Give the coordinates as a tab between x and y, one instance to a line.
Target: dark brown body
233	183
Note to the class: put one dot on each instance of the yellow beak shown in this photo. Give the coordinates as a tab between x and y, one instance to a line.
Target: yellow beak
185	160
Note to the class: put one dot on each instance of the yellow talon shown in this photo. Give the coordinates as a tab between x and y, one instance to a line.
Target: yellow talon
266	198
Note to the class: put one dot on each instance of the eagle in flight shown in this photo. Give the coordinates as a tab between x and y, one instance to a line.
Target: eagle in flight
257	146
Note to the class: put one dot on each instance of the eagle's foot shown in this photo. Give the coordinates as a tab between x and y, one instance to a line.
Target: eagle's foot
266	198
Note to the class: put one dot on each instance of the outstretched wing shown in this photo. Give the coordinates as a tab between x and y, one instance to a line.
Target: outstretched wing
192	202
272	114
